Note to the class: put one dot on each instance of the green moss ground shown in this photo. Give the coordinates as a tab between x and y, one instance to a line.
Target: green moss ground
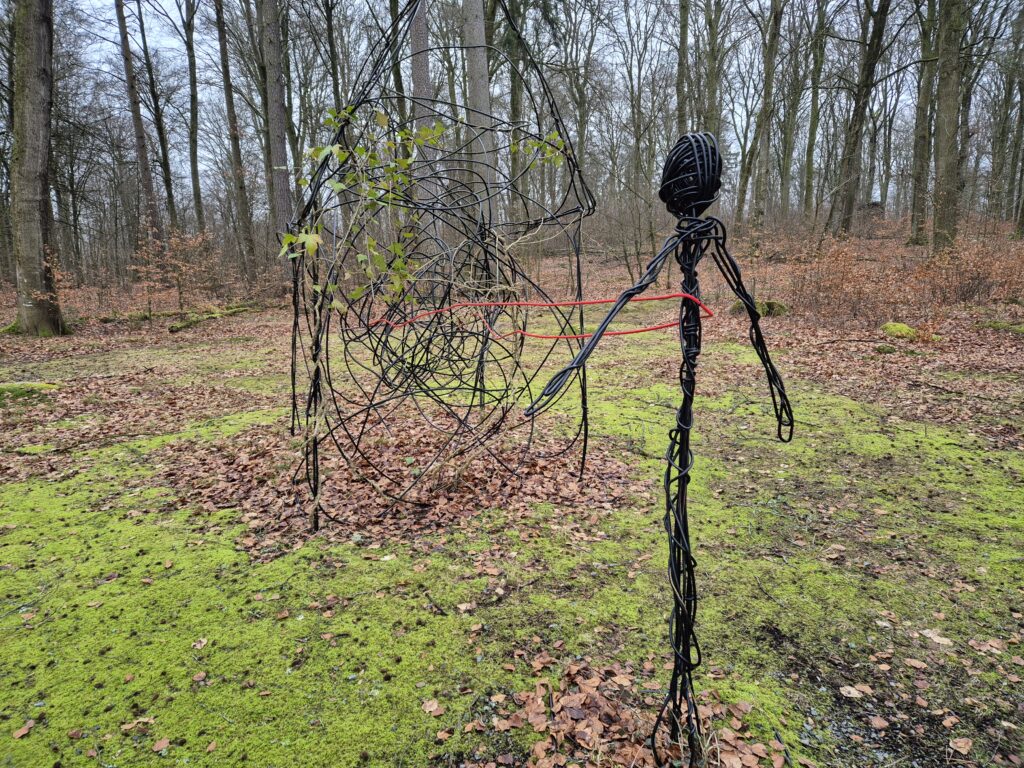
814	558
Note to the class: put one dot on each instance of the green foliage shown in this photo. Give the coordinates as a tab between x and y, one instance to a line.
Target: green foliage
373	179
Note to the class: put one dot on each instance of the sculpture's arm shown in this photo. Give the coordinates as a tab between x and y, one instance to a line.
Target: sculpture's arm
651	272
731	272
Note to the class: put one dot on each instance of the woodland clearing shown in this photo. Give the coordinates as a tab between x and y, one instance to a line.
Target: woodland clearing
861	587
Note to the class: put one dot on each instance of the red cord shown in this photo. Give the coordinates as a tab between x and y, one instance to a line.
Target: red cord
546	304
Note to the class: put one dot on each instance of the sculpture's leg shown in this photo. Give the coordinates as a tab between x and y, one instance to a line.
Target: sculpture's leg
681	563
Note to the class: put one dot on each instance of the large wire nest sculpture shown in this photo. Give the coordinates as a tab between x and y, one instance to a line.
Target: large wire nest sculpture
411	308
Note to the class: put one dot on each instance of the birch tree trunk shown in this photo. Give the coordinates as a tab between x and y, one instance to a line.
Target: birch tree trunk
1019	146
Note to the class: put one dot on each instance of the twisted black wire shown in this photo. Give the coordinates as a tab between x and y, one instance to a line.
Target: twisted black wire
690	183
455	212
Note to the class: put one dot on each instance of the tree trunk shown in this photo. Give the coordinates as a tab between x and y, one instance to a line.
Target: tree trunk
868	189
7	96
794	93
158	121
682	67
291	129
517	57
247	241
814	115
396	65
1000	144
478	90
850	165
1019	147
715	57
764	116
31	216
276	118
923	129
888	130
422	86
154	227
746	169
1016	156
948	100
191	7
332	53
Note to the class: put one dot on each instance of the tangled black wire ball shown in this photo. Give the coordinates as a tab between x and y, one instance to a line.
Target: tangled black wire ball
411	299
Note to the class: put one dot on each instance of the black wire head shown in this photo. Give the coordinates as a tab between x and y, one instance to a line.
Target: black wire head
692	175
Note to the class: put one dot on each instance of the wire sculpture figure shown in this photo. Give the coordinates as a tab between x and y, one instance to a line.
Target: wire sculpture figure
690	183
411	306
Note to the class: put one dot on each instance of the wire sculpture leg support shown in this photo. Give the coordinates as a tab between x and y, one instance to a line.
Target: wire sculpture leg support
681	703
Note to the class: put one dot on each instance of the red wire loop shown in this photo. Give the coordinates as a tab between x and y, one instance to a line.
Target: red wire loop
548	305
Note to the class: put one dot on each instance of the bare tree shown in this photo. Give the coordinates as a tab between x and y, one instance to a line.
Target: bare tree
154	226
872	34
248	243
31	216
819	38
772	33
156	108
923	116
280	193
952	24
683	67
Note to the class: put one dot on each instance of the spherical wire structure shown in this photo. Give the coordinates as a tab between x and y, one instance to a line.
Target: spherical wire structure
412	306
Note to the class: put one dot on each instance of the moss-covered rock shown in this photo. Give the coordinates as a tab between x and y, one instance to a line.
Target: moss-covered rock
899	331
22	390
195	318
997	325
766	308
907	332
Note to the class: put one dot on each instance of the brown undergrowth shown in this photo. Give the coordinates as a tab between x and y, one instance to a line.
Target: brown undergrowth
266	483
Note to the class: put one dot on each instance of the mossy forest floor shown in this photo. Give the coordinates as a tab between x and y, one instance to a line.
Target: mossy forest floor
863	586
